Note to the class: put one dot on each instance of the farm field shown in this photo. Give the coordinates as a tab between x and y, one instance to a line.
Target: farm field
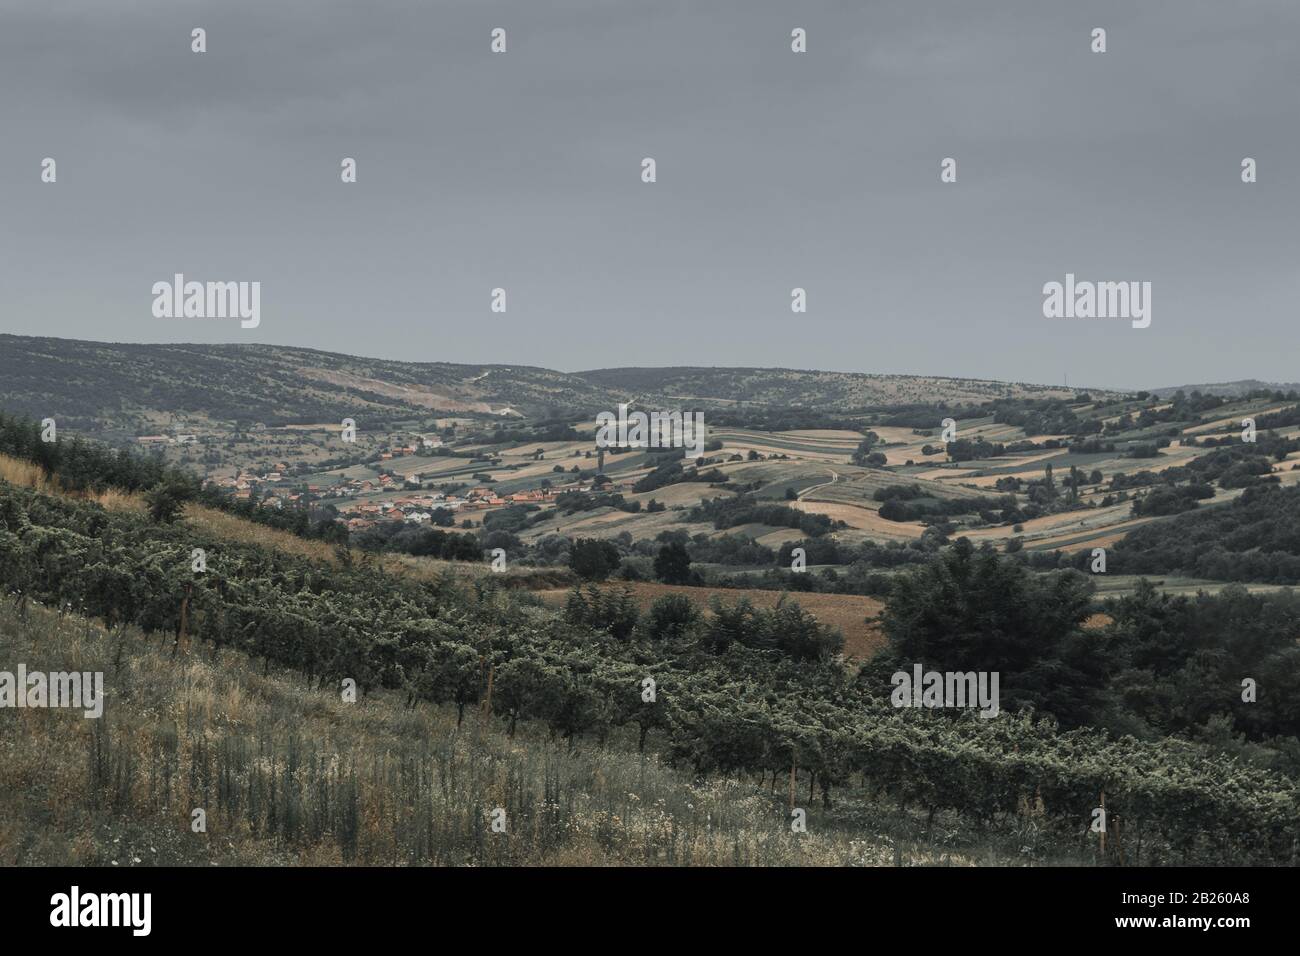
821	473
1119	585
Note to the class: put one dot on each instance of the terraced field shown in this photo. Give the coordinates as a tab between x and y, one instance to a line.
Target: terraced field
828	446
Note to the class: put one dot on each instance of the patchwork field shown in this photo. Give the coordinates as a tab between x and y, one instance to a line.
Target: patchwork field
811	471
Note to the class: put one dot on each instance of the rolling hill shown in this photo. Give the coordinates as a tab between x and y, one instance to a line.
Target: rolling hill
107	387
1227	389
92	385
838	391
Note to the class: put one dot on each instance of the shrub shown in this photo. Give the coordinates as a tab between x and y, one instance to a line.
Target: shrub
671	616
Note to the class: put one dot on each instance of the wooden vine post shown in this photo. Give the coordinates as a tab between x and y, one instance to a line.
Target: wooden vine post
487	699
182	640
1103	826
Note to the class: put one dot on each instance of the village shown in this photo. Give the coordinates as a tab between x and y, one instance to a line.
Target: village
420	508
387	495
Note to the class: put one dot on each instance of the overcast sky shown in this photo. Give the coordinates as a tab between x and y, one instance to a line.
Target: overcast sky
775	170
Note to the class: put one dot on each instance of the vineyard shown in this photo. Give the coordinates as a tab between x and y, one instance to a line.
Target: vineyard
753	697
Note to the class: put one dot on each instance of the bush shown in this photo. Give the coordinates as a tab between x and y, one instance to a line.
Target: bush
611	610
671	616
166	499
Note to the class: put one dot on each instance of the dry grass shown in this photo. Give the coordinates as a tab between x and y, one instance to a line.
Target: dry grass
115	500
228	527
514	577
25	474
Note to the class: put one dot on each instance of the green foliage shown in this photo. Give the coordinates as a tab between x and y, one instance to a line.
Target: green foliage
592	559
673	563
1171	499
1181	661
1255	538
603	609
972	610
787	629
405	538
963	449
732	549
82	464
667	473
745	509
671	617
760	693
863	453
166	499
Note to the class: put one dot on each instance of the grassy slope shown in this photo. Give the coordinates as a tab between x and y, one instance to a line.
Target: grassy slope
292	775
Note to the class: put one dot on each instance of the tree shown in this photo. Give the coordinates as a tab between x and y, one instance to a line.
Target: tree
970	610
593	560
673	564
166	499
894	510
453	673
799	635
861	453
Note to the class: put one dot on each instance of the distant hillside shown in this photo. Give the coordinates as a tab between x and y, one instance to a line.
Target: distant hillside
93	384
104	387
829	390
1229	389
